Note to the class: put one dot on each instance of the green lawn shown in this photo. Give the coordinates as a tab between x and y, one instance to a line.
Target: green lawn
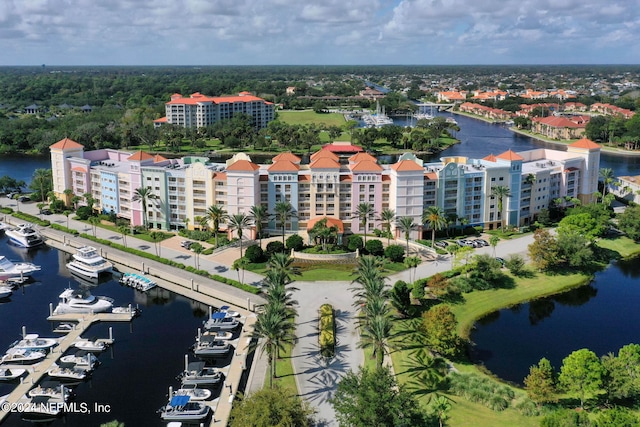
306	117
284	372
625	246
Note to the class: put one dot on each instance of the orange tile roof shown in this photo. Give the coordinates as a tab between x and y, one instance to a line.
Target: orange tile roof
160	120
585	143
287	156
304	178
386	178
431	176
139	156
243	165
331	222
362	156
342	148
198	97
63	144
79	169
510	155
324	163
406	166
366	166
490	158
220	176
158	158
324	154
283	166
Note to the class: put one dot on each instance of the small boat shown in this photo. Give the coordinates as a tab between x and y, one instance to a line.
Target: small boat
194	393
89	263
42	409
209	346
134	311
23	356
24	235
35	342
5	292
138	281
90	346
8	374
64	328
14	282
4	227
82	360
81	301
52	389
181	408
10	270
228	312
199	374
220	321
219	335
67	372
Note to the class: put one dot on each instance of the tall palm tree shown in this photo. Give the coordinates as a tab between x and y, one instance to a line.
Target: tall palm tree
259	215
124	230
240	264
500	192
197	249
68	193
283	213
143	195
364	212
406	225
608	177
157	236
386	217
216	214
435	218
239	222
42	178
375	334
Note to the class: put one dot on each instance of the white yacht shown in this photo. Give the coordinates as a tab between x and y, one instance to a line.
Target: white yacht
88	262
24	235
35	342
11	270
23	356
180	408
81	301
5	292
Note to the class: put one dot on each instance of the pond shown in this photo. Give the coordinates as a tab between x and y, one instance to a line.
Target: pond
602	316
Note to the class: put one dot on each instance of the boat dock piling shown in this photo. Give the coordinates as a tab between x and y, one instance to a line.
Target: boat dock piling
38	370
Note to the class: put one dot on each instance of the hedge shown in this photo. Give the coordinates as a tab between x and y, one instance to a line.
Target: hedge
327	331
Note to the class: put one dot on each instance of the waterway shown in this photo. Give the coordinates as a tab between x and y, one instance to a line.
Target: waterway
602	316
134	375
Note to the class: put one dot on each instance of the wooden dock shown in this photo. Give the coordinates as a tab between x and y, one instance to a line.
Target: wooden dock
37	371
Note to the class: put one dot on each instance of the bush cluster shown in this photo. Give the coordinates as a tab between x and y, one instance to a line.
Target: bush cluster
327	331
481	390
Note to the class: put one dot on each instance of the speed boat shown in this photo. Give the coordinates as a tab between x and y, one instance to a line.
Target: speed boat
23	356
90	346
52	389
81	301
208	346
24	235
220	321
67	372
5	292
35	342
42	409
194	393
88	262
82	360
10	270
8	374
199	374
181	408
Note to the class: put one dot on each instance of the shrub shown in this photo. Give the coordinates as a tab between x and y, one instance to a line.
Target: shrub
515	263
374	247
254	254
327	331
418	290
295	242
83	213
274	247
395	253
400	297
355	243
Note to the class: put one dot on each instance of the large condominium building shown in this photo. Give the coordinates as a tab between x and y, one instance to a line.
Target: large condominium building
199	110
332	184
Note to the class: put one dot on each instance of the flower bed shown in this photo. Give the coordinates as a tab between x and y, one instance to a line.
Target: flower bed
327	331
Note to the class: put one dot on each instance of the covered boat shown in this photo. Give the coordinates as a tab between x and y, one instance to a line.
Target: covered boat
181	408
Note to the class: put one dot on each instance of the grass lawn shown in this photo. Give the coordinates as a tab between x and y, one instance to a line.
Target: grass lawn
284	371
625	246
327	271
306	117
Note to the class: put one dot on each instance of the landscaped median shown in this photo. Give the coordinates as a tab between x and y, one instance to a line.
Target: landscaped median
327	336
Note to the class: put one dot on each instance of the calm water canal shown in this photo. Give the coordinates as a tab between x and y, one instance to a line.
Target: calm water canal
134	374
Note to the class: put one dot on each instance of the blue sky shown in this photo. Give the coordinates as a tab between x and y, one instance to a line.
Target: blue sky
247	32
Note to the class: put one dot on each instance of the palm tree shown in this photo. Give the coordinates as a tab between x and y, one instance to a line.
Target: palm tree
216	214
259	215
238	222
493	241
375	334
156	236
364	211
240	264
40	178
124	230
387	216
143	195
500	192
68	193
607	178
94	221
412	262
406	225
197	249
434	217
67	213
283	213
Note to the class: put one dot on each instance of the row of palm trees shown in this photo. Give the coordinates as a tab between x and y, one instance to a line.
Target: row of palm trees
275	326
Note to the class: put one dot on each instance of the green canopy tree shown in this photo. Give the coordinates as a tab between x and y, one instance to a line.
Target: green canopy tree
581	375
541	382
272	407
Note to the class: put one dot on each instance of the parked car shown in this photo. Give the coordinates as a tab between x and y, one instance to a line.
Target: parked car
500	260
46	211
441	244
186	244
481	242
24	199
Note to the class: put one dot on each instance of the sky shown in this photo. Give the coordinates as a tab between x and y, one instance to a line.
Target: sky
320	32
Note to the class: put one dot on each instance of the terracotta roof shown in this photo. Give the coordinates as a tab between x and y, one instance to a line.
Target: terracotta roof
342	148
362	156
66	143
490	158
325	163
283	166
571	169
198	97
287	156
585	143
406	166
79	169
158	158
346	178
510	155
304	178
323	154
331	222
366	166
263	178
139	156
221	176
160	120
431	176
243	165
386	178
560	122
